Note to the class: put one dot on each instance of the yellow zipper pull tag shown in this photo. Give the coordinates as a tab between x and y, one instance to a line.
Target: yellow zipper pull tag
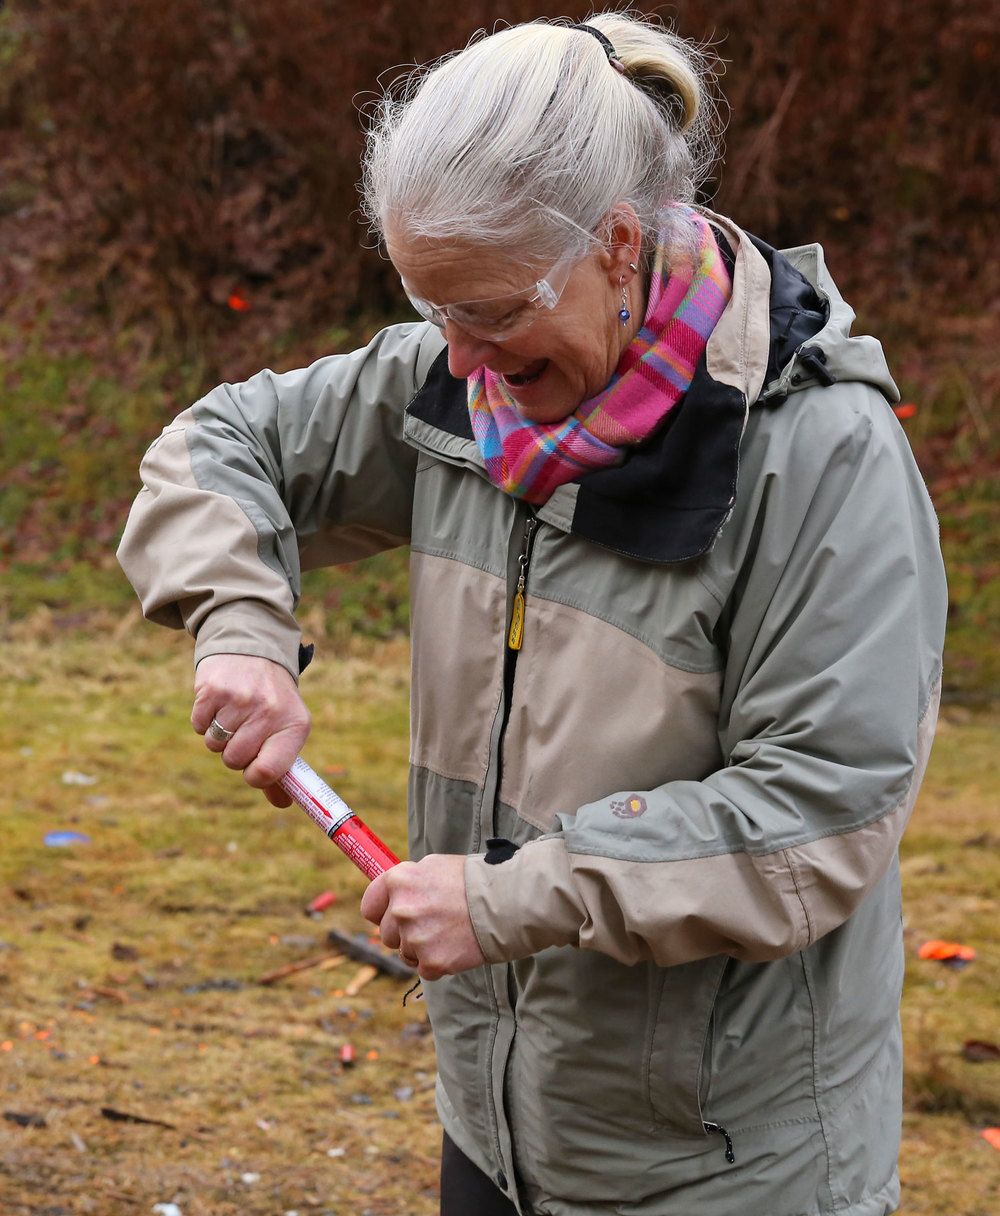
516	635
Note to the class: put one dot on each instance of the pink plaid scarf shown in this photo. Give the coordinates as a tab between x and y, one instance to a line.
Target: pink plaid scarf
531	460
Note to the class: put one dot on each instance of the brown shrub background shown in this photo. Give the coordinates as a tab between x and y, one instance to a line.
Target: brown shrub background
158	158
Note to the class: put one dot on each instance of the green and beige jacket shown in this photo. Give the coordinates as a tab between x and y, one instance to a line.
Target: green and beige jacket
705	750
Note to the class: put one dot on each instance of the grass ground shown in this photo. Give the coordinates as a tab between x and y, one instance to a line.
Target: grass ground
130	966
143	1061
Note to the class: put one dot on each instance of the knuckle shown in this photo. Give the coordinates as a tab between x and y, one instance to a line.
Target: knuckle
269	773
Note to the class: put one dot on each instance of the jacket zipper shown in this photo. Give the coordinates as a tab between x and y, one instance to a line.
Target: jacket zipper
515	638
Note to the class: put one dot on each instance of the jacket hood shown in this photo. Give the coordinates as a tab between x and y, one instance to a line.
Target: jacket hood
786	329
830	354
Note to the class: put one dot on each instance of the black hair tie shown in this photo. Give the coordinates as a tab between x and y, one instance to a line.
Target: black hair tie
605	42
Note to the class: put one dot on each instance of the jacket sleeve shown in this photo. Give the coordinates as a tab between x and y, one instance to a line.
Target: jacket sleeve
832	606
260	480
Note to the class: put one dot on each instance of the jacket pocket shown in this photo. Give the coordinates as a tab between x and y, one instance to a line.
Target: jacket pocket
679	1055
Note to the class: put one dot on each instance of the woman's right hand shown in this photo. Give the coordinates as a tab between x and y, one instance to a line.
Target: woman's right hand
258	701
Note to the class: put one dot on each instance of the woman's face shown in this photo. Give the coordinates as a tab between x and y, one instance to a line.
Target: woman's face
566	356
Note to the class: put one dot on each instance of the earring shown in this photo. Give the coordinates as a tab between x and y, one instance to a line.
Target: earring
623	312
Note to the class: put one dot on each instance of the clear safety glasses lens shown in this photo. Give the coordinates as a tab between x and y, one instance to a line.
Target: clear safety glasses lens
497	318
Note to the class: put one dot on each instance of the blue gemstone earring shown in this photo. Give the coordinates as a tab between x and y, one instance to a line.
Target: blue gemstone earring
623	312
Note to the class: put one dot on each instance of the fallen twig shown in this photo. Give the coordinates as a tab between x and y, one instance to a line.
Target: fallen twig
25	1118
306	964
124	1116
124	1196
365	976
113	994
362	951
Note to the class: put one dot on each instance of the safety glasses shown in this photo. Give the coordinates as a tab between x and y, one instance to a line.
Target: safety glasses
499	318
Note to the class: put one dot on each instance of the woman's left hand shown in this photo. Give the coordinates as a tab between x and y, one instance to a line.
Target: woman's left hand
422	911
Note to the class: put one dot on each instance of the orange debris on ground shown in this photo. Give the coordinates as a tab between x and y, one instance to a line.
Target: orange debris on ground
942	951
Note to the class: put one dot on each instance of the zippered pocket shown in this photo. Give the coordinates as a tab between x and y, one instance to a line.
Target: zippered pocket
680	1044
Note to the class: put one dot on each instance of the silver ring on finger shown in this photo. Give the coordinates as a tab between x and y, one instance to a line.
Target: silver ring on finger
219	732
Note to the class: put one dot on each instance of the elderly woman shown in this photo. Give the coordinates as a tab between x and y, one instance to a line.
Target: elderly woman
677	617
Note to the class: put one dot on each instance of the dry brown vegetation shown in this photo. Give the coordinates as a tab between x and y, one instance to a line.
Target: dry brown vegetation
169	160
177	206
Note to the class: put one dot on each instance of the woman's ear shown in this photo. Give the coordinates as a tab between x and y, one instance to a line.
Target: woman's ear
622	243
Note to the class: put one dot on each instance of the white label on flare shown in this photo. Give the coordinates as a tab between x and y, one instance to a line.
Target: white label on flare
324	806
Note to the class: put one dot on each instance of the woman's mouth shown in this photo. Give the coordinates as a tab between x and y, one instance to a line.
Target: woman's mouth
528	376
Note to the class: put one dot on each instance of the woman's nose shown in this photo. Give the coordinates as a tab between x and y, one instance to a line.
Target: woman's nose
465	352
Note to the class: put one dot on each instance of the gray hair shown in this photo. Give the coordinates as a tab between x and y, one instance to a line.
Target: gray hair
528	137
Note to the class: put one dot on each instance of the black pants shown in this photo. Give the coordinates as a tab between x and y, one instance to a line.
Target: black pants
466	1190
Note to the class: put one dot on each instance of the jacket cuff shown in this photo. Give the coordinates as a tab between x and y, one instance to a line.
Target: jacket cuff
524	904
250	627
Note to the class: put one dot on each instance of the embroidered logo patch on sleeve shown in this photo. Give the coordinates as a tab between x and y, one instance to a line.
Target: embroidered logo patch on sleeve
631	808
